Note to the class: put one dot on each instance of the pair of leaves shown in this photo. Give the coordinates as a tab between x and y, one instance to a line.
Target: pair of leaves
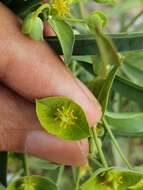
114	179
33	26
32	183
62	117
103	83
126	124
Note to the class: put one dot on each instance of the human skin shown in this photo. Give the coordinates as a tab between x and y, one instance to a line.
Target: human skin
30	69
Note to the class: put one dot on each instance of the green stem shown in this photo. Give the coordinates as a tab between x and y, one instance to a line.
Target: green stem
3	168
82	9
132	21
95	161
25	165
41	8
77	182
61	170
116	144
100	152
75	20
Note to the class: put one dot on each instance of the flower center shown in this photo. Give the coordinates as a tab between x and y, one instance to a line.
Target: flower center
66	116
27	185
61	7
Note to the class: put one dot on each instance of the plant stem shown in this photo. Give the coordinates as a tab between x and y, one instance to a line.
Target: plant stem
25	165
61	170
41	8
3	168
132	21
75	20
116	144
77	182
95	161
101	154
82	9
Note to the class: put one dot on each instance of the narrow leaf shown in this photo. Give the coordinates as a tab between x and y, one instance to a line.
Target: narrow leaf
66	36
126	124
106	89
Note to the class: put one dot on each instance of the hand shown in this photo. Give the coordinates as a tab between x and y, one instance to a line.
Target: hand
28	70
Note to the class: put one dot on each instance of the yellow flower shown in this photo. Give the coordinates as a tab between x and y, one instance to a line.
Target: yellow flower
61	7
66	116
84	169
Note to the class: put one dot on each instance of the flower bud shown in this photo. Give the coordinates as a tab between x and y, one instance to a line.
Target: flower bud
96	19
33	26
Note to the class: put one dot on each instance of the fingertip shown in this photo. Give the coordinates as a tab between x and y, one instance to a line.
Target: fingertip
48	147
90	104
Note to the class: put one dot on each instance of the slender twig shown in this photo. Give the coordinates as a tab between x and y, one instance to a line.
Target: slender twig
25	165
61	170
82	9
75	20
100	152
41	8
77	182
116	144
95	161
3	168
124	29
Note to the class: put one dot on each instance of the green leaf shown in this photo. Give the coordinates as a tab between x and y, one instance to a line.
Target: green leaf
125	87
86	44
114	179
128	89
36	163
96	18
126	124
133	73
32	183
109	56
106	89
65	35
33	26
62	117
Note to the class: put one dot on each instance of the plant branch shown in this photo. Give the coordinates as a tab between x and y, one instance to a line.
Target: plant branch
100	152
61	170
25	165
132	21
116	144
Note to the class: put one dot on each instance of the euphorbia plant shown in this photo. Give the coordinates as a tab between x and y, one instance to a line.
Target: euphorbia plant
62	117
